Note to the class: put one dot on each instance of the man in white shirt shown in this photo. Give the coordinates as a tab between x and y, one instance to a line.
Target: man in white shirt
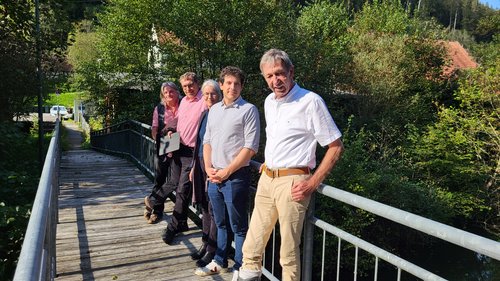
297	119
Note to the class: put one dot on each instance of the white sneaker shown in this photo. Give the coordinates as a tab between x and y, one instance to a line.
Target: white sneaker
210	269
249	275
235	275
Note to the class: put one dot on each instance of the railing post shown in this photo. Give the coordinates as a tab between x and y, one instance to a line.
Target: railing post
142	145
308	245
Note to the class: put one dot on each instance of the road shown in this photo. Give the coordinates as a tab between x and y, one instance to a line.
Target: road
34	116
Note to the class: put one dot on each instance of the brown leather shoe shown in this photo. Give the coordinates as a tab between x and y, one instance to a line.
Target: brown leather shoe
148	210
147	214
147	203
154	218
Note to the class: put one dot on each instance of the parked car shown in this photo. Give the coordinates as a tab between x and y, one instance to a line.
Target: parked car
62	111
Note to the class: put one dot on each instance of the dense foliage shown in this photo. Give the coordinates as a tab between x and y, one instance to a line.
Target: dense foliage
19	51
19	175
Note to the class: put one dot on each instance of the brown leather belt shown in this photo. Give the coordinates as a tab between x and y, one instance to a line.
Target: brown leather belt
276	173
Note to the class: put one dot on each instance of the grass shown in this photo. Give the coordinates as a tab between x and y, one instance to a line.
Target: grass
65	145
66	99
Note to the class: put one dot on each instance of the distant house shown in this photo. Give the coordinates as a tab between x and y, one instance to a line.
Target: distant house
154	54
459	58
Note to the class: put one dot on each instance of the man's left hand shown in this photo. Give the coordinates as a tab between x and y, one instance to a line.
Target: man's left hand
302	189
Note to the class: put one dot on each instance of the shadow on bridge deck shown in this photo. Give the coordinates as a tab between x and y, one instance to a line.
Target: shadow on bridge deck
101	233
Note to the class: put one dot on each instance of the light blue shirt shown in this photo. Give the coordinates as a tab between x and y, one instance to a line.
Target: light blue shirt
231	128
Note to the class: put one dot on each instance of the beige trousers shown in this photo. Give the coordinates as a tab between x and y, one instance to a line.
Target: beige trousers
273	202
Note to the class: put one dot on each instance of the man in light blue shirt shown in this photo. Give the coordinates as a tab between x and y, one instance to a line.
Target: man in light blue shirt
230	141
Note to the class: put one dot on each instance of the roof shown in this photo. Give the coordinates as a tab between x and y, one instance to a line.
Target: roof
459	58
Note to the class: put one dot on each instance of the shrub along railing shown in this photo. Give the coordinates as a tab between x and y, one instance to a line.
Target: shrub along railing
37	260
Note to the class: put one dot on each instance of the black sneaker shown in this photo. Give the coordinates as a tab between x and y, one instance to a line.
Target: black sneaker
206	259
168	235
200	253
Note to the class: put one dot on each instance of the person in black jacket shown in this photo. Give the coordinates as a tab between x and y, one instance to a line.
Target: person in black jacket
211	94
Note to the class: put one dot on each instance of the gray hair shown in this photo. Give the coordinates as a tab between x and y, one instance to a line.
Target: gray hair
170	85
272	55
191	76
214	84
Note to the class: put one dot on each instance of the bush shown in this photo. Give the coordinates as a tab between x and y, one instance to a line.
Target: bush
19	176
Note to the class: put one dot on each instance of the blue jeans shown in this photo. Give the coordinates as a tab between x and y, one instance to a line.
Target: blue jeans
230	204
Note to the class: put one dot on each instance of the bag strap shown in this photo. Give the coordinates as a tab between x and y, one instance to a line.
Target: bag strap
161	116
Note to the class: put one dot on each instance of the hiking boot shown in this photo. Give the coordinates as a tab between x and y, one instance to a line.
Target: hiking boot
206	259
210	269
147	214
154	218
147	210
147	203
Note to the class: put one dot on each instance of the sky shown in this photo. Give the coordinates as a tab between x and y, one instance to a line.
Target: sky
492	3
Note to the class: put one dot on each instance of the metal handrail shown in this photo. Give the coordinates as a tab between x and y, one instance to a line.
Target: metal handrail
38	252
442	231
447	233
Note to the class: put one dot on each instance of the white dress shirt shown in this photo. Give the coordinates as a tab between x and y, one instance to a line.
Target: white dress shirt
294	126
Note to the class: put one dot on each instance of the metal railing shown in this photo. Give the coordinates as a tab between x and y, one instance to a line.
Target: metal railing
83	123
127	138
476	243
37	260
130	139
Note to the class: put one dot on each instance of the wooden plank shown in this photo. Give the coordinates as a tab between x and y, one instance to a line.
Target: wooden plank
101	233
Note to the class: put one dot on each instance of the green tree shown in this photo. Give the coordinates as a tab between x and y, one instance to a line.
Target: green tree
395	68
488	54
83	50
121	81
460	153
487	27
322	31
17	65
17	52
206	36
195	36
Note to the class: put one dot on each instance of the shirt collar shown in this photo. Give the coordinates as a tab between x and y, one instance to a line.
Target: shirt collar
288	96
196	98
237	103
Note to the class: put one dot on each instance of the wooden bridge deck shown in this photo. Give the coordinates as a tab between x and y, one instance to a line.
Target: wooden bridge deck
101	233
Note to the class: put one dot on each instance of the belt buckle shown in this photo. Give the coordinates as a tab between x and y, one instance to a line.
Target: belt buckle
273	173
